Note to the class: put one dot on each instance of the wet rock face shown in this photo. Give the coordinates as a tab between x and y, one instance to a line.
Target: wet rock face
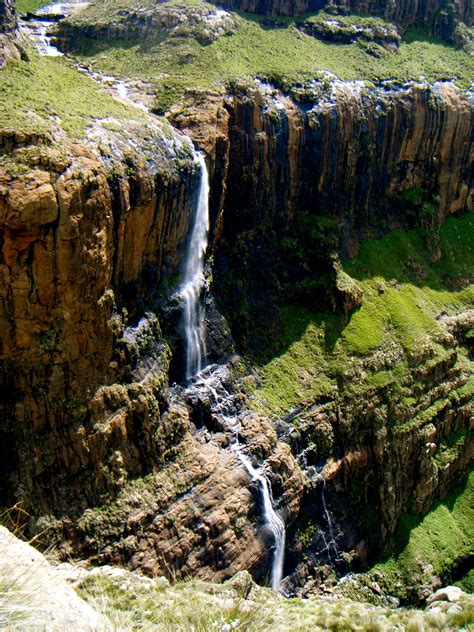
439	16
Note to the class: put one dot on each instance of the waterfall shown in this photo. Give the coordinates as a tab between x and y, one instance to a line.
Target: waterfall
272	519
193	278
212	387
329	523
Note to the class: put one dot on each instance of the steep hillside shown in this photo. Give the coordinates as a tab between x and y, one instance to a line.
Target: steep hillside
334	302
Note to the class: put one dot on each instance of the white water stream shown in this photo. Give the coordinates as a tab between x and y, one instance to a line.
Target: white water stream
272	519
193	279
40	27
224	404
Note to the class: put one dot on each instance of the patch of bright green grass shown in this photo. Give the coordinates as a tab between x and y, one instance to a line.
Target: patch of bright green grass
29	6
39	95
302	369
403	294
255	50
441	537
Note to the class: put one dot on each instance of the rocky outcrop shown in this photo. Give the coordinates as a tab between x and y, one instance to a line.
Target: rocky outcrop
438	16
197	513
379	456
35	596
147	22
8	18
10	47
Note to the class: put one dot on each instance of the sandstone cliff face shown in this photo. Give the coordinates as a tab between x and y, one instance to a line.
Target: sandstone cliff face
345	154
84	234
350	153
438	16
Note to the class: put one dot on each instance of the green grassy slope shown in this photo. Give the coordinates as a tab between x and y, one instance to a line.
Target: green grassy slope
283	54
47	92
403	293
443	536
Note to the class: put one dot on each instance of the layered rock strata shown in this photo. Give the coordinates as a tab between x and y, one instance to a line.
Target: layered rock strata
438	16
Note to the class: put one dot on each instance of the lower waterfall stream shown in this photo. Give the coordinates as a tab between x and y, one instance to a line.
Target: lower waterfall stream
272	519
210	385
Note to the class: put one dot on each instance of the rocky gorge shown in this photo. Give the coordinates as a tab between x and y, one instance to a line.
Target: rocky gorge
114	456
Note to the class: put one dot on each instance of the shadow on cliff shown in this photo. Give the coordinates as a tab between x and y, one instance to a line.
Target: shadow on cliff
390	272
442	261
417	538
300	322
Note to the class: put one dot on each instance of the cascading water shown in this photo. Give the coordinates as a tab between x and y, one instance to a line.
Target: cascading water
213	388
272	519
193	279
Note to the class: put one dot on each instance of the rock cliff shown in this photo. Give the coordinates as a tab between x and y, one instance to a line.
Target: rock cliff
441	17
364	161
311	174
10	47
92	238
116	465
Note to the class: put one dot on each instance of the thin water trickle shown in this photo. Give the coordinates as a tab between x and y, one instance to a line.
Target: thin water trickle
193	279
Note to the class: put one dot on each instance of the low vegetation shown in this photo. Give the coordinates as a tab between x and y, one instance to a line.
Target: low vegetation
48	93
437	545
29	6
242	606
437	540
404	294
275	49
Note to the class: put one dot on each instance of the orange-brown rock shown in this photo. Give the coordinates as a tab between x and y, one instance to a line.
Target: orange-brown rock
80	240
